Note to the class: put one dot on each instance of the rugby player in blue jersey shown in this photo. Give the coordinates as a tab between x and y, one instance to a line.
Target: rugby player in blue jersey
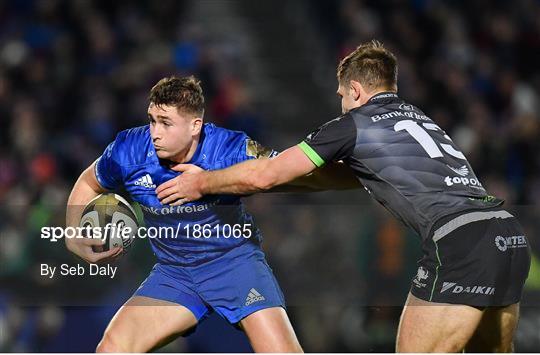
216	263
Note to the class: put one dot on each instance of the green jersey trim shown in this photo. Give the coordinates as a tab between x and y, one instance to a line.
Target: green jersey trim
311	154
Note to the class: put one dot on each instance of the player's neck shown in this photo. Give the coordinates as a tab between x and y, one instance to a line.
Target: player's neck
187	154
364	99
379	91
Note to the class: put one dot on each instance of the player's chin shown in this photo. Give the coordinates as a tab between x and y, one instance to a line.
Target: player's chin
162	154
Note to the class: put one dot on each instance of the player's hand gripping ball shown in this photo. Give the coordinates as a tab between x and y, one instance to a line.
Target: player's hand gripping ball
111	218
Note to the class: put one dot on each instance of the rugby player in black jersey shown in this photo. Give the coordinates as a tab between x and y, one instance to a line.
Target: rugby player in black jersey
475	255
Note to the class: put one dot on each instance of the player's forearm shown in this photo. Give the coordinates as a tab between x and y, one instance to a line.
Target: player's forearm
248	177
256	175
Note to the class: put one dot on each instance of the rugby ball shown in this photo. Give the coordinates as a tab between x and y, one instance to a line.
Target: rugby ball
110	217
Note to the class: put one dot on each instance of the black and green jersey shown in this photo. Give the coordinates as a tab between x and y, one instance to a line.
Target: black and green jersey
403	159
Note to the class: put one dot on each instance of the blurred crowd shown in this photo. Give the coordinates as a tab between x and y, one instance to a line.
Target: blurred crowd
73	73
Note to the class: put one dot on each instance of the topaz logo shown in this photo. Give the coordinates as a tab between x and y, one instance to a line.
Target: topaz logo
513	242
457	180
475	290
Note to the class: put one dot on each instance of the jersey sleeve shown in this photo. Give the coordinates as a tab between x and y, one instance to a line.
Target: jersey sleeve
333	141
107	168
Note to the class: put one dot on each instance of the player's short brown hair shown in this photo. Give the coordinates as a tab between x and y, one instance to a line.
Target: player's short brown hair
371	65
184	93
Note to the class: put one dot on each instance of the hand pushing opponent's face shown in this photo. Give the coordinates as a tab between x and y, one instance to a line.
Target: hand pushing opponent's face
173	131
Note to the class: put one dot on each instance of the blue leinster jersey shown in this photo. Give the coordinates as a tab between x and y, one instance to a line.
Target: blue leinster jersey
198	231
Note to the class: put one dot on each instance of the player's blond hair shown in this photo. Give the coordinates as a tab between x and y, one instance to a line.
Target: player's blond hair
370	64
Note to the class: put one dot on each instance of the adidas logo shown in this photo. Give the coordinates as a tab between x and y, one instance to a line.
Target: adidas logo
463	171
254	296
145	181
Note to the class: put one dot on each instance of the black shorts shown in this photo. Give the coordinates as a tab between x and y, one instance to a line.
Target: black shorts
479	258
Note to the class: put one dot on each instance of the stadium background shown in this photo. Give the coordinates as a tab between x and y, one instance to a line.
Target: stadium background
73	73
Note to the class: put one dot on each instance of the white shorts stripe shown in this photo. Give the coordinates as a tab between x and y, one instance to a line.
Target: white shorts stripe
467	218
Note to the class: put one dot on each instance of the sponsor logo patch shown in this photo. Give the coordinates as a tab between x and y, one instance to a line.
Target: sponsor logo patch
256	150
421	275
453	287
461	180
513	242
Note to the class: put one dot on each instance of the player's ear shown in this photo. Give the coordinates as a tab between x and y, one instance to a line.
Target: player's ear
196	125
356	90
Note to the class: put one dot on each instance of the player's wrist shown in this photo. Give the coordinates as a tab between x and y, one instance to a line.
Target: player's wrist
203	183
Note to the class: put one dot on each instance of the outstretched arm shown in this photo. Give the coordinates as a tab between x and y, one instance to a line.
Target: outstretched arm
257	175
333	141
249	177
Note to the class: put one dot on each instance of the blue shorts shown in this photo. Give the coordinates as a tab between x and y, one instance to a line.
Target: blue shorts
235	285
